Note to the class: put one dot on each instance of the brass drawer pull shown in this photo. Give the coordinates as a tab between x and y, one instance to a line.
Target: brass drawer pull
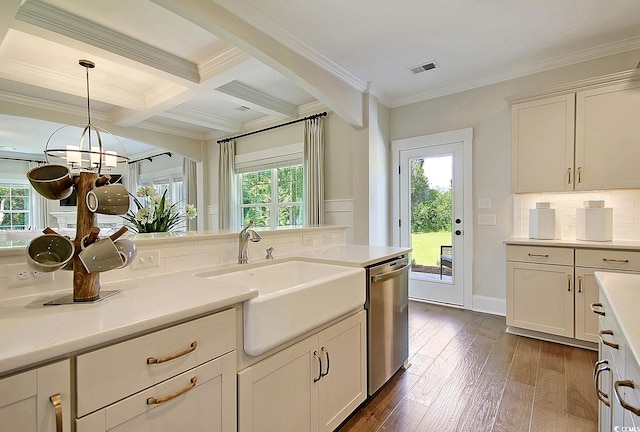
619	261
602	396
154	401
579	174
568	282
625	404
539	255
607	343
598	312
579	284
569	176
192	347
56	400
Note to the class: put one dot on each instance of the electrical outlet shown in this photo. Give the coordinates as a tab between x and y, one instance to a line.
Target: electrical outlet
22	275
307	240
328	237
146	259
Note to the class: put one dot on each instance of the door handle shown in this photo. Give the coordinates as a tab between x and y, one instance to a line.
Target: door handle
385	276
315	353
326	353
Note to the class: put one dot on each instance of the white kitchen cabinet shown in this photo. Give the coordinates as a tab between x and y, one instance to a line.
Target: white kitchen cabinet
540	289
542	282
542	144
181	377
577	140
38	400
311	386
200	399
607	131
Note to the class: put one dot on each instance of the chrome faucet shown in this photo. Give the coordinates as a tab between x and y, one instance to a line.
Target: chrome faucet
243	247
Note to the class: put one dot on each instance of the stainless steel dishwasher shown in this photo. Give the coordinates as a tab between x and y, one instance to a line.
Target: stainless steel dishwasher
387	307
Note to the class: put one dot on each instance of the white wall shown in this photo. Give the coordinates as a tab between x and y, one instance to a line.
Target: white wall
486	110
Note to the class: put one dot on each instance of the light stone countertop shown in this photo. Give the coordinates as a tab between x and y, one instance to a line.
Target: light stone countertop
33	334
573	243
622	291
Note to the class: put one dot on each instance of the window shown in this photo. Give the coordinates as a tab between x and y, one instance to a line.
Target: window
15	201
272	197
172	182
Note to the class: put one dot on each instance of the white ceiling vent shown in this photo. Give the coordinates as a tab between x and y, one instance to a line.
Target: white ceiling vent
243	108
423	67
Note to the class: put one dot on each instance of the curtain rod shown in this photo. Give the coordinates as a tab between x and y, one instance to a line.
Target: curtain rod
150	158
22	160
322	114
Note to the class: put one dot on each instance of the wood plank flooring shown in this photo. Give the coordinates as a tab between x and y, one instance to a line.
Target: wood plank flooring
467	374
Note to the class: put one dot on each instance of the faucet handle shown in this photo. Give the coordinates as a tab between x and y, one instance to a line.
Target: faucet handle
269	253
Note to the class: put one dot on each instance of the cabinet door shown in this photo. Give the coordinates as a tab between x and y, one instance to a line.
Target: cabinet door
279	393
201	399
586	293
607	131
542	145
540	297
26	403
343	386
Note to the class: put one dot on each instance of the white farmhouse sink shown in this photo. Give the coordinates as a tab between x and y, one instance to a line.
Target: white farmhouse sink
294	297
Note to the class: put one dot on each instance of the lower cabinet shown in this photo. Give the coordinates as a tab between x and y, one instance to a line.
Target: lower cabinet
38	400
313	385
551	289
201	399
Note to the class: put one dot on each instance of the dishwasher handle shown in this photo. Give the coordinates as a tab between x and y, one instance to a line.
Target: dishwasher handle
385	276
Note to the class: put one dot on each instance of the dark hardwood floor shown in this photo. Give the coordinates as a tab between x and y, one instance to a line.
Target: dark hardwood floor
467	374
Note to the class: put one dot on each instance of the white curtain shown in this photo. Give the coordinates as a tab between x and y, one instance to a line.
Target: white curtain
131	177
190	182
227	201
39	206
313	171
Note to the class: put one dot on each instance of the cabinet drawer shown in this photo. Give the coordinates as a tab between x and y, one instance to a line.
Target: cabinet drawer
611	334
202	399
115	372
608	259
540	254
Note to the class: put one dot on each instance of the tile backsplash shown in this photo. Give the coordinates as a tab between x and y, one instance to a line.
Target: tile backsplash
625	204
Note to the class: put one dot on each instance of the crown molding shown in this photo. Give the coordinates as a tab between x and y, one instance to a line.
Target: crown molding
520	71
221	62
262	22
59	21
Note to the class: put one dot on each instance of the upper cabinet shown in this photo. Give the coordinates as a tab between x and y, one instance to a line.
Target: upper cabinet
578	140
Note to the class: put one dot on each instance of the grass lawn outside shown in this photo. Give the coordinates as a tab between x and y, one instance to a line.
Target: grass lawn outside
426	246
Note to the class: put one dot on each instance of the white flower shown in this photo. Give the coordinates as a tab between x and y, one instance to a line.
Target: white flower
146	191
154	199
145	215
191	211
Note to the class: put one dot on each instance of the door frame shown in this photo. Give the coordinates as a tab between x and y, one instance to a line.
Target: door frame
464	136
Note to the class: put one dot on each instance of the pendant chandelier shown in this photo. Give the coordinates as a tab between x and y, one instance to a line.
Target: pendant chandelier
92	152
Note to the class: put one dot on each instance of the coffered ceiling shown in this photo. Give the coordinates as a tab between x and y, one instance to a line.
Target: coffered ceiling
205	69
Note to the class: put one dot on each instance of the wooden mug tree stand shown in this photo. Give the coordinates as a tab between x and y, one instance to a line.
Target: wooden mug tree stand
86	286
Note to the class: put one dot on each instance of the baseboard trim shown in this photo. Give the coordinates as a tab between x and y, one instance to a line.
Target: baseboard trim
490	305
552	338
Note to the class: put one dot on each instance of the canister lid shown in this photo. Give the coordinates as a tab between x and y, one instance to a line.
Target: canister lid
594	204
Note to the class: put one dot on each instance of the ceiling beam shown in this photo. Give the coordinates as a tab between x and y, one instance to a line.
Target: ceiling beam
64	23
200	118
246	96
343	99
8	9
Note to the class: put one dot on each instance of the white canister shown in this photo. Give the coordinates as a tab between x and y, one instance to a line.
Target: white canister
543	222
594	222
